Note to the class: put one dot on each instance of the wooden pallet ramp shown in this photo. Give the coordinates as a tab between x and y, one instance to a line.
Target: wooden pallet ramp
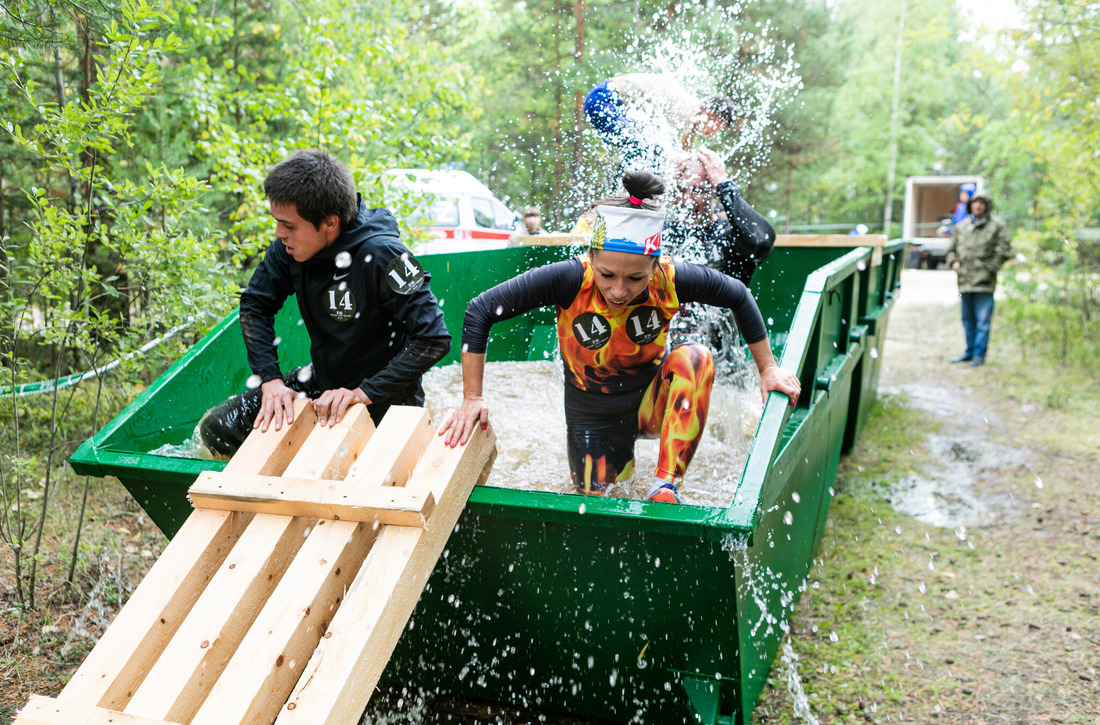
285	592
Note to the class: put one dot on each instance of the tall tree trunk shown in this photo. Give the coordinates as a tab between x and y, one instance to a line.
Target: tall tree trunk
892	170
4	276
558	98
88	75
3	229
578	96
790	184
58	77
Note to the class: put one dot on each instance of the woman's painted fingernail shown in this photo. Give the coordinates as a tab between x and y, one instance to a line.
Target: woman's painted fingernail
484	426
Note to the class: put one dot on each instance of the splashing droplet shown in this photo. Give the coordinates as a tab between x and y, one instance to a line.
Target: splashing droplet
253	382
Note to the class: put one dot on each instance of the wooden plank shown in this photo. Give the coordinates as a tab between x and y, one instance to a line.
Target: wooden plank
332	450
264	668
333	500
194	658
391	455
781	240
268	453
345	667
830	240
556	239
47	711
262	672
111	673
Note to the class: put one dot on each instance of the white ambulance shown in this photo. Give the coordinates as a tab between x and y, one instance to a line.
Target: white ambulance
458	212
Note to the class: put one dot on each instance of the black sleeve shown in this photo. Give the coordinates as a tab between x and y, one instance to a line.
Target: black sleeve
553	284
427	340
750	233
261	300
696	283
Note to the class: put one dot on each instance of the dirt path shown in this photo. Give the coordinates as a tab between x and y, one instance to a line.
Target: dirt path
959	578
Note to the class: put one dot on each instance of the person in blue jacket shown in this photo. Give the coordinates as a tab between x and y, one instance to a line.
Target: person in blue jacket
374	325
962	208
649	116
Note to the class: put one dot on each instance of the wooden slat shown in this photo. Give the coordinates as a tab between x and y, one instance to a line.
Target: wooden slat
334	500
344	669
556	239
262	672
47	711
559	239
390	456
264	668
270	452
830	240
111	673
330	451
192	661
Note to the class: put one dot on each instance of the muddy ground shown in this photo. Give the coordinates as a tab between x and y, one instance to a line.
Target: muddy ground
958	580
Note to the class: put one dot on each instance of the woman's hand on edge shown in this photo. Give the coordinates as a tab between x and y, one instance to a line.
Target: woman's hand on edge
775	378
472	412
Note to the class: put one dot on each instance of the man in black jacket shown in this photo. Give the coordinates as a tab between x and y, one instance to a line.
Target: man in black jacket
374	325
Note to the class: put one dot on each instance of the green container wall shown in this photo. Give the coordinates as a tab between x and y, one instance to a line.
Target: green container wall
613	608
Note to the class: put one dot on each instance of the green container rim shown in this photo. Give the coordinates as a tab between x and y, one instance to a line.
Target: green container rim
713	522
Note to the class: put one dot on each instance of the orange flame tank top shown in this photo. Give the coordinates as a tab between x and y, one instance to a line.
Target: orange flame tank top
612	350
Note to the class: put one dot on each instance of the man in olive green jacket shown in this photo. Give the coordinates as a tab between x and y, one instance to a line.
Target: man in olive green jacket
979	247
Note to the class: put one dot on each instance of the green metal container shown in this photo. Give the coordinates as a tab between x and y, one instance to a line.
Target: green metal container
613	608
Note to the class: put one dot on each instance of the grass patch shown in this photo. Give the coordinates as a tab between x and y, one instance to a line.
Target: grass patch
903	621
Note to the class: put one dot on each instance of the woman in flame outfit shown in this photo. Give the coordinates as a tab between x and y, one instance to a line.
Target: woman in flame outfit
614	306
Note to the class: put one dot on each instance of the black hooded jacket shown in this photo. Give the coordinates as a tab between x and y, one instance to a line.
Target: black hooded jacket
735	245
372	319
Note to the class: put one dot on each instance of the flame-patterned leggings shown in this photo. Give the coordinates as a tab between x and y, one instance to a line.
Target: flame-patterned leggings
601	428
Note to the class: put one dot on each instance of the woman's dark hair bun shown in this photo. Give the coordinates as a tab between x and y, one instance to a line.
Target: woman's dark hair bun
643	184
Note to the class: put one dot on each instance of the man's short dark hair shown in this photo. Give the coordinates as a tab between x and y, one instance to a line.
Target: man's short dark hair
721	106
316	184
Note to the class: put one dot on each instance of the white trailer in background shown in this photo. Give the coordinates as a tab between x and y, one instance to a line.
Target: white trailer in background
929	202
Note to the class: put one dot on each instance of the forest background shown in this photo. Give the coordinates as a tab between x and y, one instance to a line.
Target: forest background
134	140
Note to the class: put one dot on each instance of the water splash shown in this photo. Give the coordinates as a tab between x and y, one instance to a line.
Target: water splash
794	684
727	50
526	406
193	447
